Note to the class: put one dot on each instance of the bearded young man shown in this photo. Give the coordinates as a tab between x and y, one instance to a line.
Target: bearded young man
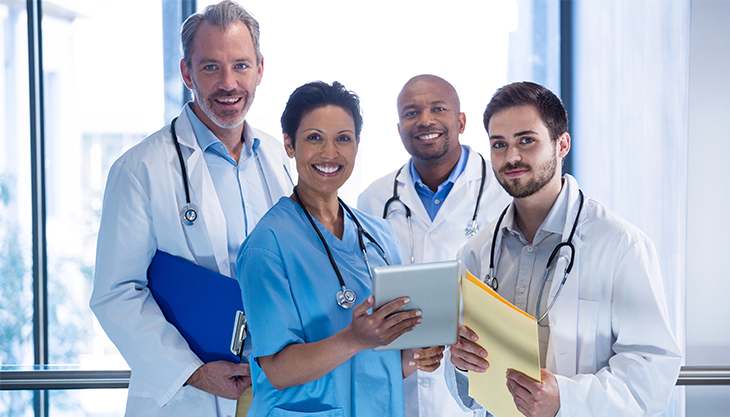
606	346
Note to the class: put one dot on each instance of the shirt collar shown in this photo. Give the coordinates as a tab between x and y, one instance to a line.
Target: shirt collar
455	173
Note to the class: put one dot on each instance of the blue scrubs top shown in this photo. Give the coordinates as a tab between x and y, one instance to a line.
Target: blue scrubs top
289	289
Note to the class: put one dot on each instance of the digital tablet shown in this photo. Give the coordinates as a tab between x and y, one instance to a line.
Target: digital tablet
434	289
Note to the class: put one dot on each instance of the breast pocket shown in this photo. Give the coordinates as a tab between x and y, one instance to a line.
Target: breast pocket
587	322
280	412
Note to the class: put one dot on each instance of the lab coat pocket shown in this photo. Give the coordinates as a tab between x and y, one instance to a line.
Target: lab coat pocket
280	412
587	322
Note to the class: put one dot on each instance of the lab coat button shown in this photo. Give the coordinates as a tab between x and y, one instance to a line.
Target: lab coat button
522	289
432	233
425	382
529	249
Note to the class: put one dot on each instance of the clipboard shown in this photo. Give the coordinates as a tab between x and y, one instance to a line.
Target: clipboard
205	306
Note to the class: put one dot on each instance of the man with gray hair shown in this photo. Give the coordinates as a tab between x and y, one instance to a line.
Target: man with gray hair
209	162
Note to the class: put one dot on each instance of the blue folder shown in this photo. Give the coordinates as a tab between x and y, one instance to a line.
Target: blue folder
202	304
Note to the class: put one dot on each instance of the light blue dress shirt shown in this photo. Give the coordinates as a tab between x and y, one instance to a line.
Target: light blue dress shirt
433	201
241	187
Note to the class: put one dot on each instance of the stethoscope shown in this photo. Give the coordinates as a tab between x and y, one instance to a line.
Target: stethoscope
491	278
472	227
345	297
189	212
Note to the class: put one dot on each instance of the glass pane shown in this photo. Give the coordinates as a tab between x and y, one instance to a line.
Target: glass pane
16	292
373	48
16	403
87	403
103	93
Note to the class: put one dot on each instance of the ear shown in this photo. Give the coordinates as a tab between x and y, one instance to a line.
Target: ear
185	71
563	145
288	146
462	122
260	70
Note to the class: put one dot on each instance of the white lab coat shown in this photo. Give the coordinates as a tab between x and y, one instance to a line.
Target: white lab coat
611	346
141	213
426	394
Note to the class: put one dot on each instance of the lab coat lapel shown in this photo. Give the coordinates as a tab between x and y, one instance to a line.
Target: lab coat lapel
278	182
463	189
411	199
207	238
563	318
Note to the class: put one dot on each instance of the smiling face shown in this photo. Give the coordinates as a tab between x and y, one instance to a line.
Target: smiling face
223	75
325	147
524	158
430	120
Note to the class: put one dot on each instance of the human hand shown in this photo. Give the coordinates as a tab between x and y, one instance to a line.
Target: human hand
384	325
425	359
219	379
466	354
532	398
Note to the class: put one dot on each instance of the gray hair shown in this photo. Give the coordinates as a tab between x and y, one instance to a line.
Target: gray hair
221	15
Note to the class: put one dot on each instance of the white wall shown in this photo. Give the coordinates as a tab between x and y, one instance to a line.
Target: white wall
708	280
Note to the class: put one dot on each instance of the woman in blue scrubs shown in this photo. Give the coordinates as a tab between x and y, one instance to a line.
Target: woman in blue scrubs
302	265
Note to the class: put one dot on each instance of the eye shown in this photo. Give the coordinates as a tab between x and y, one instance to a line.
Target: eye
209	67
498	145
410	114
439	109
313	136
527	140
344	138
241	66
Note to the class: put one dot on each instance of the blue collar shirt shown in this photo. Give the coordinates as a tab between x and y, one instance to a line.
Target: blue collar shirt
241	187
433	201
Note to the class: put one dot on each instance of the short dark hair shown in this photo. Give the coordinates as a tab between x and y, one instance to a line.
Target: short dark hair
526	93
318	94
222	15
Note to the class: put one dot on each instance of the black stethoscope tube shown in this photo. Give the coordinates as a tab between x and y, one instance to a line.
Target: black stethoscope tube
471	228
491	278
345	297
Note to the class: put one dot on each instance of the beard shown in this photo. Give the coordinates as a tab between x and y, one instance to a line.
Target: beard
434	153
223	119
518	188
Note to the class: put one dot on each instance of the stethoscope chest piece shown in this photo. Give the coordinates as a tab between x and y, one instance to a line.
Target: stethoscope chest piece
471	228
346	298
188	215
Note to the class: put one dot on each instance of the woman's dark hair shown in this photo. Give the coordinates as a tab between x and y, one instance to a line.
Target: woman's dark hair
547	104
318	94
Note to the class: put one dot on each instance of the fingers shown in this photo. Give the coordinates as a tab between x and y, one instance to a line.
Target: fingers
468	355
428	359
222	378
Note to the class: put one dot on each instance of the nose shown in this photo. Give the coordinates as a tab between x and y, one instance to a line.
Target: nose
513	154
329	149
425	118
227	81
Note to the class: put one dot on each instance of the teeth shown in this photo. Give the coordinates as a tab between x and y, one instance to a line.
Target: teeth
327	169
429	136
227	100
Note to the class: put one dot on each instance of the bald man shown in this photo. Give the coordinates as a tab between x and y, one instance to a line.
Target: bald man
448	189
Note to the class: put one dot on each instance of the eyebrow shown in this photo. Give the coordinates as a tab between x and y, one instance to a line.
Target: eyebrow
516	135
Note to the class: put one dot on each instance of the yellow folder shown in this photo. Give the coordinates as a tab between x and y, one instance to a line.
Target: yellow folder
509	335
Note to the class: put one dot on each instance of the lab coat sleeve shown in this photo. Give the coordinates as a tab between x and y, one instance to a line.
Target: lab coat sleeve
157	354
639	378
458	384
